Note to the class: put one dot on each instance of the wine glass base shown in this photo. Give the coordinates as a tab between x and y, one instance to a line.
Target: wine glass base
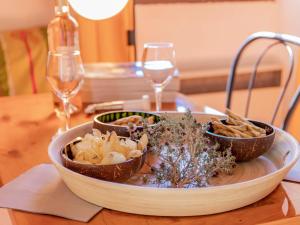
73	109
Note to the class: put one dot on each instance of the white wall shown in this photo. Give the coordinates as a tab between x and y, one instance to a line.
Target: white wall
206	35
21	14
289	14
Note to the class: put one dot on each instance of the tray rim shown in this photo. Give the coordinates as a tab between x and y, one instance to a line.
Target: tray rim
163	189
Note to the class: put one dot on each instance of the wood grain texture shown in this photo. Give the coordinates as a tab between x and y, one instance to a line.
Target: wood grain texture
27	124
289	221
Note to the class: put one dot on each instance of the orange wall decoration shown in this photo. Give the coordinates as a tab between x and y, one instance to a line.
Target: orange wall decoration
106	40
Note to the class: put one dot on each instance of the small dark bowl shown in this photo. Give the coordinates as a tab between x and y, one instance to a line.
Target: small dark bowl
245	149
103	121
116	172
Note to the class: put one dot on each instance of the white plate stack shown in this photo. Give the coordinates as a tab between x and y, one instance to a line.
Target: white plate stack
110	82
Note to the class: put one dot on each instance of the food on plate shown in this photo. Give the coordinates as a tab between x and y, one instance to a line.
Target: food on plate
236	126
107	149
134	119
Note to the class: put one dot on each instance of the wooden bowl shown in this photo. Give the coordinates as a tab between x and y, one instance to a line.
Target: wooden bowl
116	172
103	121
245	149
251	181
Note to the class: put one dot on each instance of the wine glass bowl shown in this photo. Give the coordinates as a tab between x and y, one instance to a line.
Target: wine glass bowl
65	75
158	64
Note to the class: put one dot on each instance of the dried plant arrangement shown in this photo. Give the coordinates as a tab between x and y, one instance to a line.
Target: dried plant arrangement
186	157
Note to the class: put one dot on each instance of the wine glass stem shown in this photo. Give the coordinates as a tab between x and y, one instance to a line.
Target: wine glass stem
66	104
158	93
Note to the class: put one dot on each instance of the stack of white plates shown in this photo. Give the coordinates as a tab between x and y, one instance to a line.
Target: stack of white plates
110	81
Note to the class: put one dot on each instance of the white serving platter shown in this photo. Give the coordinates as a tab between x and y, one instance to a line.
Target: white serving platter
250	182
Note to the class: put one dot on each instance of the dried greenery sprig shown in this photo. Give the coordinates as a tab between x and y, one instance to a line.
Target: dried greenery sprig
187	158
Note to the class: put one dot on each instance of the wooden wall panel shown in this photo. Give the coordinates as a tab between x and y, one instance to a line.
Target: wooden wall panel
106	40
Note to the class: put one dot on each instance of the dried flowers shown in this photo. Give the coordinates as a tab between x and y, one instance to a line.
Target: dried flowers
185	156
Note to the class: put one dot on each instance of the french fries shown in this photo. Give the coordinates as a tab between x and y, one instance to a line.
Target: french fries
236	126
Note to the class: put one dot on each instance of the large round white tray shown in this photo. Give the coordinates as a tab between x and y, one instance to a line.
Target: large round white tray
251	182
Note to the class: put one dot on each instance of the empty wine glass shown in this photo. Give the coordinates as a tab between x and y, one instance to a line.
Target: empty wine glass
158	63
65	76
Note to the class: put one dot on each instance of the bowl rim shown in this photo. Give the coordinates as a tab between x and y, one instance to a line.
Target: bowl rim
62	154
59	165
95	120
242	138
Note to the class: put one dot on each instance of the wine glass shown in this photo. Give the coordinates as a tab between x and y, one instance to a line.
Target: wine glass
158	64
65	75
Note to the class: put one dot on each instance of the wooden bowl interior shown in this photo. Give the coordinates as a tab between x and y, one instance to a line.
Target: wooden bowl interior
250	182
103	122
115	172
113	116
269	129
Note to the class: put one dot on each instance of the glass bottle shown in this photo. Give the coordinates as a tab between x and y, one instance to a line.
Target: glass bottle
63	29
63	37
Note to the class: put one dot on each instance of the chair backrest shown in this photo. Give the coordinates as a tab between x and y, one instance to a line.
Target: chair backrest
277	39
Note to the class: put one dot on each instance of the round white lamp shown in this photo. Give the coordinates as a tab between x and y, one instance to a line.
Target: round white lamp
98	9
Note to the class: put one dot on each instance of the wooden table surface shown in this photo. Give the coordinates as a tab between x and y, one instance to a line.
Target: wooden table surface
27	124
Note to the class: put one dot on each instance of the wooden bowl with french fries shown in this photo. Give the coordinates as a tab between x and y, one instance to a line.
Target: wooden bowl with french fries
119	121
248	139
107	167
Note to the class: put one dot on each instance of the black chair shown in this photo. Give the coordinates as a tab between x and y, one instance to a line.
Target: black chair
276	39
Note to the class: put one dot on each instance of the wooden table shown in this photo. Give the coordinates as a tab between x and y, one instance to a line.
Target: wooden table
27	124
